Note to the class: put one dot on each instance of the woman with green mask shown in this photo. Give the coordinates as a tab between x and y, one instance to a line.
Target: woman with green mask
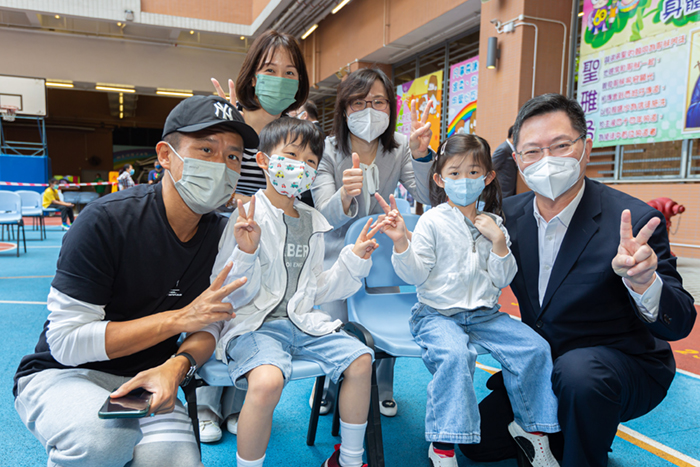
272	82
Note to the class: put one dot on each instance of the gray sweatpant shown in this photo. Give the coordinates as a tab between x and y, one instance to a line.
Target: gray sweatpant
60	408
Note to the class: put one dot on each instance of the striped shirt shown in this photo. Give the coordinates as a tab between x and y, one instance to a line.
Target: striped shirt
252	177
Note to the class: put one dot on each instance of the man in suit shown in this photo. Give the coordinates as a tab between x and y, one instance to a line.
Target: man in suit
503	163
597	280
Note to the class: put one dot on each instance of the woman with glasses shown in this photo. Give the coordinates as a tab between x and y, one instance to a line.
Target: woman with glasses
366	156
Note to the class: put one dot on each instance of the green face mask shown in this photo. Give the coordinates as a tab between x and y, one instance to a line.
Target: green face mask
275	94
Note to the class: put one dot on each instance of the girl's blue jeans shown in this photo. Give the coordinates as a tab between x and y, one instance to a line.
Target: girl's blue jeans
452	414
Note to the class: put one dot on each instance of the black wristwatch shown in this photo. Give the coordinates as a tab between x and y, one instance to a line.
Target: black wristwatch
191	371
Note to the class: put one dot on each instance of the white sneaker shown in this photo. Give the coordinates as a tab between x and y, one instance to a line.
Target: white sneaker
209	431
535	447
232	424
439	460
388	408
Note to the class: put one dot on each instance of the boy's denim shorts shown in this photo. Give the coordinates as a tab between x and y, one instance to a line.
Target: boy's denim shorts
278	342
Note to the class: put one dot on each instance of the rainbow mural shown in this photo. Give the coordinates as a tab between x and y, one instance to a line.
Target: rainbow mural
464	115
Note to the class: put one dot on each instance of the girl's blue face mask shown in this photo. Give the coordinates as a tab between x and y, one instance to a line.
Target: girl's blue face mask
464	191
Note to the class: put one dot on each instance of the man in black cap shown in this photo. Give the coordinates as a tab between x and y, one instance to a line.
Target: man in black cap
116	315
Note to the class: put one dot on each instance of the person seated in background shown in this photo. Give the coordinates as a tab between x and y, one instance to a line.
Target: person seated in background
155	175
52	199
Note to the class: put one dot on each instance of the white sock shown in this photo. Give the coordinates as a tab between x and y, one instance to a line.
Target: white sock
351	444
244	463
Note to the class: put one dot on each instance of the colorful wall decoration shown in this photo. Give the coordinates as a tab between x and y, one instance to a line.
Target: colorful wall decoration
464	84
423	89
639	70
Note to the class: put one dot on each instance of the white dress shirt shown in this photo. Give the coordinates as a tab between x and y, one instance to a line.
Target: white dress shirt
550	236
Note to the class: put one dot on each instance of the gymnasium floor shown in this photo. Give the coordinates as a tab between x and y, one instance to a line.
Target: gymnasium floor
669	435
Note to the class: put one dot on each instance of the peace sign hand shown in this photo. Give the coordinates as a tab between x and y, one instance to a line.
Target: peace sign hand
246	230
221	93
421	133
365	244
392	224
635	260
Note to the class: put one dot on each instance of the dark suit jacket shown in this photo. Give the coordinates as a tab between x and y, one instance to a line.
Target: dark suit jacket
506	170
586	304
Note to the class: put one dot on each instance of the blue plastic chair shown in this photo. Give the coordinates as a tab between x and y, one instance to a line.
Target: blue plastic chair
32	207
383	307
215	373
403	206
11	214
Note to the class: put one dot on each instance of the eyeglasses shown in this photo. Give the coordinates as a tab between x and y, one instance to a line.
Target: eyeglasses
377	104
560	149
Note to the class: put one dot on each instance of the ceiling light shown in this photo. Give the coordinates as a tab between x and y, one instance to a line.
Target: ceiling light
307	33
174	92
242	38
340	5
119	24
59	84
113	88
191	32
121	114
580	14
57	17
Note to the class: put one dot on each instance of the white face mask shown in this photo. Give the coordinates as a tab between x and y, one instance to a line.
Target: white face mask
204	185
368	124
289	177
553	176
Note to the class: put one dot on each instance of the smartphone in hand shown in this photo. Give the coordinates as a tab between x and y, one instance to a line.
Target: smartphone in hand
136	404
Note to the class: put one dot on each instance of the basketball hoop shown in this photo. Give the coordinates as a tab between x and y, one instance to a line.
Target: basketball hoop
8	112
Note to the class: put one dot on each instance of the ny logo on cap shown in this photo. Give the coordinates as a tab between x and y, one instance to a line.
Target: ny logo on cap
225	110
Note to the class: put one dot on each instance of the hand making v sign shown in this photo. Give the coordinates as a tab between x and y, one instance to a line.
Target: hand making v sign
246	230
635	261
421	134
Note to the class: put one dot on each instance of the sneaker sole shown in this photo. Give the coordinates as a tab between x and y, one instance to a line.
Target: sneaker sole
526	446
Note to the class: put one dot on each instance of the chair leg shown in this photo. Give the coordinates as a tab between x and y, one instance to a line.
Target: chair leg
315	411
18	240
191	397
24	235
335	428
373	434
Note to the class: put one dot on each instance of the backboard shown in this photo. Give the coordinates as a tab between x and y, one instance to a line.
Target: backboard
27	94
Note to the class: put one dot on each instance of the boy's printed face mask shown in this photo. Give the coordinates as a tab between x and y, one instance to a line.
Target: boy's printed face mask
289	177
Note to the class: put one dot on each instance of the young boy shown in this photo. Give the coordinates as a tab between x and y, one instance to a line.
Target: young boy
277	244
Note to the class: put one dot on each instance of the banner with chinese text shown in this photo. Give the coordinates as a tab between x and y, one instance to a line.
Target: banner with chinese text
422	90
639	69
464	84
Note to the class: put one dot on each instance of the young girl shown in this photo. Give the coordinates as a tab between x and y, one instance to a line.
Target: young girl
459	259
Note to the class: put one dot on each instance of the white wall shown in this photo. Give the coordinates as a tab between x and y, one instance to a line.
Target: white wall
89	59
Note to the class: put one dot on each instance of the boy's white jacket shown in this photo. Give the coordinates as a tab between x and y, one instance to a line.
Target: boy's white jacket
267	276
449	269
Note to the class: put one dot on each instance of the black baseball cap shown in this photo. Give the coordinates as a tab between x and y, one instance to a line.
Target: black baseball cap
199	112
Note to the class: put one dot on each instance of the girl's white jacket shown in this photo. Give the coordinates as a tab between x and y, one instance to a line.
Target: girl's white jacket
450	270
267	276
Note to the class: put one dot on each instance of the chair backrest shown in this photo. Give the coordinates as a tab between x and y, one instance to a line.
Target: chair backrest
385	314
382	273
71	197
86	197
30	199
403	206
10	206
